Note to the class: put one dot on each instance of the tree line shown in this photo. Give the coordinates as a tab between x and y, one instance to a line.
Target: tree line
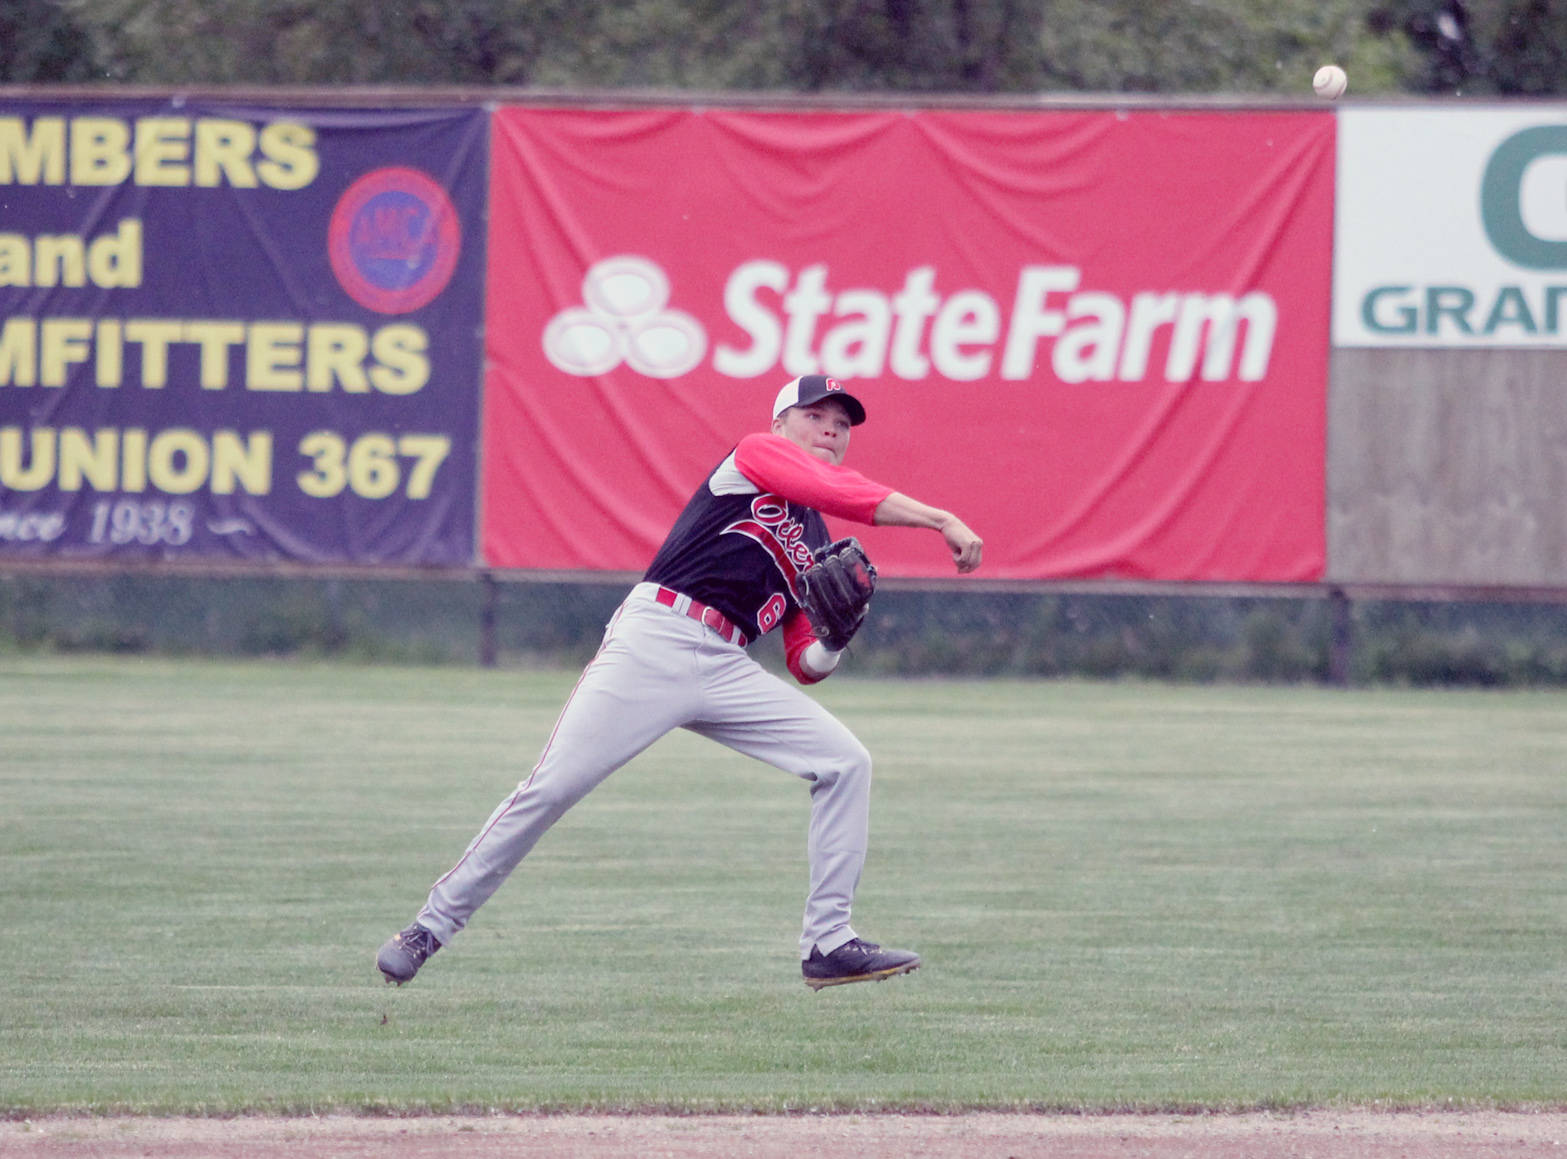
1417	47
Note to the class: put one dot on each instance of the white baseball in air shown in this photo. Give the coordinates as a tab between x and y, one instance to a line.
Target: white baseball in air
1330	82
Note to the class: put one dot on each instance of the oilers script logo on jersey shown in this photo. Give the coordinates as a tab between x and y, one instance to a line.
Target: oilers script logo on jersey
393	240
625	318
778	532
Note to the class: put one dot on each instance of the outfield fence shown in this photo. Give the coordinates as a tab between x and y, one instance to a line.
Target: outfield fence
1174	633
1154	350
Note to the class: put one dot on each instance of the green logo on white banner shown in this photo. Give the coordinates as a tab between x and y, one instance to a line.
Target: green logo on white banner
1501	202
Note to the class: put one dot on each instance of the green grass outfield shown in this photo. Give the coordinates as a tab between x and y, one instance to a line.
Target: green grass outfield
1127	896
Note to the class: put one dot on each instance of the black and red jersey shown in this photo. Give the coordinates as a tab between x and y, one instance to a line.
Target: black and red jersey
750	529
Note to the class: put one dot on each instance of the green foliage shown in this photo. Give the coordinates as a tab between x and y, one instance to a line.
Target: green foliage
41	43
902	46
1127	896
1428	644
1481	47
672	45
918	46
323	42
1204	46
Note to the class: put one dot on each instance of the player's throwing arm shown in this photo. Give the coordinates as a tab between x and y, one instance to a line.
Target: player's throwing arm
899	510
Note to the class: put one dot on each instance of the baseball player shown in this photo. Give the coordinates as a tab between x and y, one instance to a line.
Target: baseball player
674	655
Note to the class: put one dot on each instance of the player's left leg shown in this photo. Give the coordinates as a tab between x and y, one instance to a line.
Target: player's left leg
750	710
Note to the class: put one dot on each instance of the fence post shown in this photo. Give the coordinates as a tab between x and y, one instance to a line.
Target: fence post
488	596
1341	641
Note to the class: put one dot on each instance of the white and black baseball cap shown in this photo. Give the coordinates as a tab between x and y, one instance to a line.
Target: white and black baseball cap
809	388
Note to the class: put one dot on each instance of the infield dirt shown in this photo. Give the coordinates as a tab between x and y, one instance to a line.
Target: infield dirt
1318	1134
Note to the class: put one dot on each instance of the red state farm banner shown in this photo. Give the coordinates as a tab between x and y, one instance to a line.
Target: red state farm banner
1100	337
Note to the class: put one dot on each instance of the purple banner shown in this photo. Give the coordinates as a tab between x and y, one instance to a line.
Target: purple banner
240	333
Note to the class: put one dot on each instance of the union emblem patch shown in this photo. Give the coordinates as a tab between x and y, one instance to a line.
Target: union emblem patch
393	240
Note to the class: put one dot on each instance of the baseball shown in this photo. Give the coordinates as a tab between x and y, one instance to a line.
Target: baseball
1330	82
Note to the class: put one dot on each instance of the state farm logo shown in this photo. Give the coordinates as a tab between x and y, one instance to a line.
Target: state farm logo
798	322
625	318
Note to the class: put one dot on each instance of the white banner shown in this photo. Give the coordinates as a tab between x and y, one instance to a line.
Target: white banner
1451	227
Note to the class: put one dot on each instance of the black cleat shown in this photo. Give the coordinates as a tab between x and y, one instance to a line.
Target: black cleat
407	950
856	961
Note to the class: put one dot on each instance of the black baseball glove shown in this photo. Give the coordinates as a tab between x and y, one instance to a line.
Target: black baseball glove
835	591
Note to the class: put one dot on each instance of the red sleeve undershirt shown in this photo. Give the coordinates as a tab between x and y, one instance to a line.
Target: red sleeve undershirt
797	637
775	464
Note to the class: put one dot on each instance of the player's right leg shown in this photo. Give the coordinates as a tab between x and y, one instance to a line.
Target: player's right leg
638	687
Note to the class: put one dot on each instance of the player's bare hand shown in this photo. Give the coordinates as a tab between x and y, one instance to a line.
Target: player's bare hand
967	548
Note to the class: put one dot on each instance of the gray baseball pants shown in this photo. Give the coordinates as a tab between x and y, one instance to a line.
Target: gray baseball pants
658	670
